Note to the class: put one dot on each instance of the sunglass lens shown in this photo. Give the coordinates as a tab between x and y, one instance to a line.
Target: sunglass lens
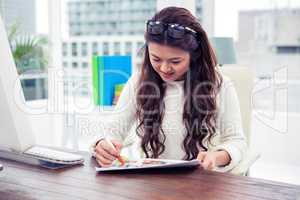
176	31
155	28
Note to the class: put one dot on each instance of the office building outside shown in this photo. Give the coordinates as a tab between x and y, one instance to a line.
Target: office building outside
104	27
270	40
108	28
101	17
126	17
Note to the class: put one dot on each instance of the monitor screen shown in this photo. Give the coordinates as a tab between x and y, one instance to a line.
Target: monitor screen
15	128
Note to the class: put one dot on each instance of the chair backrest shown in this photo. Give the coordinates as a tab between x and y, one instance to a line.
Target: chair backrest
243	79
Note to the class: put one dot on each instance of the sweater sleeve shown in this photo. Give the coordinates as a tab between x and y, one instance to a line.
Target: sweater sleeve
229	123
117	126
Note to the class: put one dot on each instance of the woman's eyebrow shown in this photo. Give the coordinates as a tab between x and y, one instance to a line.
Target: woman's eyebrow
154	55
174	58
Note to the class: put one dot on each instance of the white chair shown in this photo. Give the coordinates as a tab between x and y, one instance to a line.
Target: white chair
243	79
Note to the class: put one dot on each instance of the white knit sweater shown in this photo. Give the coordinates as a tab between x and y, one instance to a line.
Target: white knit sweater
229	134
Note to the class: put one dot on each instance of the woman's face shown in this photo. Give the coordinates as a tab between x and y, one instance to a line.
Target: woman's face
170	63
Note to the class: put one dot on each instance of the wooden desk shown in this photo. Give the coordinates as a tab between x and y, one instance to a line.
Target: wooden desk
21	181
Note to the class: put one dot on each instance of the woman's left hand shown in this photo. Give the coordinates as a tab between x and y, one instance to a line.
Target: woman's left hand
207	159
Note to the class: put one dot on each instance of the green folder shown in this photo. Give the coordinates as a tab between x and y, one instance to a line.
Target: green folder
95	75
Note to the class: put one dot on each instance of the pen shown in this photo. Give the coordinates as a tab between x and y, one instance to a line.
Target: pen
120	159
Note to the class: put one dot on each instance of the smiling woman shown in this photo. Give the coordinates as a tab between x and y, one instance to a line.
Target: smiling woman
176	100
170	63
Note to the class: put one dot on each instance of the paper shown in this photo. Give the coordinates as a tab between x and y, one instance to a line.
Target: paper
149	164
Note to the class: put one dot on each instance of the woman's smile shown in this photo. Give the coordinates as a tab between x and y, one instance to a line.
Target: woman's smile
171	63
167	76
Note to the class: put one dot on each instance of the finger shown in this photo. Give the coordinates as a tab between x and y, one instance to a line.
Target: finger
201	156
107	147
103	160
205	164
211	166
105	154
117	144
102	164
99	150
208	164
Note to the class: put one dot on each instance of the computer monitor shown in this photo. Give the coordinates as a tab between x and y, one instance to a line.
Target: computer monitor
15	129
17	141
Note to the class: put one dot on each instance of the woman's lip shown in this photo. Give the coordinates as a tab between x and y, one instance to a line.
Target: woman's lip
167	75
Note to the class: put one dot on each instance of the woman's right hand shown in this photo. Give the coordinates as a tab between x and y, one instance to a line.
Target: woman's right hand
105	154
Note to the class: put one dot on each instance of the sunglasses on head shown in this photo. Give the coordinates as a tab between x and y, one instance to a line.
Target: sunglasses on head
174	30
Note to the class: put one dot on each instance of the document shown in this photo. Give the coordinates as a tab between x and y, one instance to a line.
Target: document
149	163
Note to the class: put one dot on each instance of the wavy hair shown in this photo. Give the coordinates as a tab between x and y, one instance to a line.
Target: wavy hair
201	80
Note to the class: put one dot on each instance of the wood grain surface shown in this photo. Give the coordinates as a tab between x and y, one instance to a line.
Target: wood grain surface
26	182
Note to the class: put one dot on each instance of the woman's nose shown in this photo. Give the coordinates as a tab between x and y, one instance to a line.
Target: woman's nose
165	68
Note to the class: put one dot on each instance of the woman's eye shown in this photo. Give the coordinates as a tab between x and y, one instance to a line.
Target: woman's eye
176	62
156	60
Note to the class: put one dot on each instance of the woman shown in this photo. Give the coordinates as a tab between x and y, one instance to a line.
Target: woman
184	109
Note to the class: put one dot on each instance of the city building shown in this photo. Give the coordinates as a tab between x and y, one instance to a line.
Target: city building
77	51
114	28
270	40
102	17
126	17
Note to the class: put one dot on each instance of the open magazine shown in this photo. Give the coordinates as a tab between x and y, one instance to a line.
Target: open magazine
148	163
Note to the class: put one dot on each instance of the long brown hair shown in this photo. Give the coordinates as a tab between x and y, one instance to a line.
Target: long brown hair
202	79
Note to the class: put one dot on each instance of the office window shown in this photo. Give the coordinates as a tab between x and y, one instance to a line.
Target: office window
30	50
84	49
113	25
34	88
74	49
128	48
84	65
117	48
105	48
95	48
74	65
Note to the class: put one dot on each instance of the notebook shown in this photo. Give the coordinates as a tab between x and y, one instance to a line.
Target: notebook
17	141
